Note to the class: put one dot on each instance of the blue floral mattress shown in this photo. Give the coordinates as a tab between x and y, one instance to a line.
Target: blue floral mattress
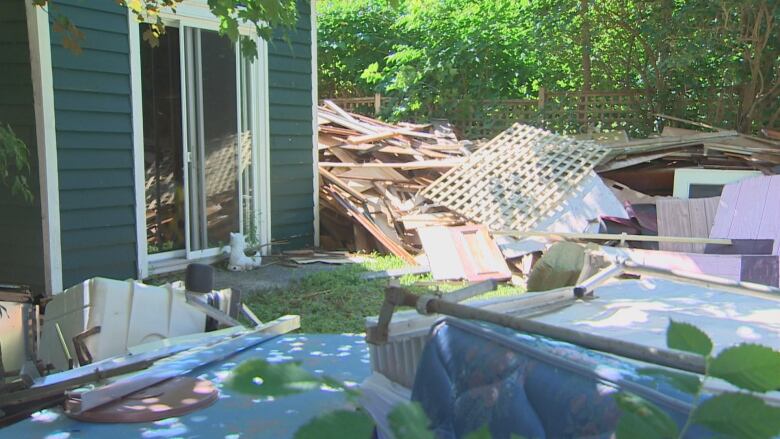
474	373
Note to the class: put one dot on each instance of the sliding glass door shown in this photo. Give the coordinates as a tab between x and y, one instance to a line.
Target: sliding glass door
215	150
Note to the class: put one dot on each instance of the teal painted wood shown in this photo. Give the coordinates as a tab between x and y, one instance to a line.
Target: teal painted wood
93	115
290	101
21	243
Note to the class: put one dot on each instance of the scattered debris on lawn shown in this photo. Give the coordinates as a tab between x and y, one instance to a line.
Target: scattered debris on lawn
98	343
408	189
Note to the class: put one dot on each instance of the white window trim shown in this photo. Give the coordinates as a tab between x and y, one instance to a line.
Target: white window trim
196	14
46	140
315	125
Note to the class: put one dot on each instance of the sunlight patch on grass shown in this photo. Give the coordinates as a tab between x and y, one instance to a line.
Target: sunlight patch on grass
338	301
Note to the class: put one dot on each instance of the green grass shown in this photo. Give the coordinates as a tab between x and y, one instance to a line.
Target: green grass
338	301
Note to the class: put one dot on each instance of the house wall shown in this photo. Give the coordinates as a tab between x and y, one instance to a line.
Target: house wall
21	242
93	118
93	115
290	102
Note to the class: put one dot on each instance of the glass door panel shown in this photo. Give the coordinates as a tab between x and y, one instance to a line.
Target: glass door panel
163	153
213	138
248	179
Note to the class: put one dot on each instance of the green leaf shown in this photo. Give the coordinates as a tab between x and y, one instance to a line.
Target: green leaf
337	424
749	366
739	415
688	338
409	421
259	377
642	419
687	383
480	433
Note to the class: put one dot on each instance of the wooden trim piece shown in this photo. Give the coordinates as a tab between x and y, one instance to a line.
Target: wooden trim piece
369	138
46	139
314	121
181	364
422	164
612	237
138	147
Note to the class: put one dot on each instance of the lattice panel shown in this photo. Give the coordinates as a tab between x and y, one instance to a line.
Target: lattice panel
516	179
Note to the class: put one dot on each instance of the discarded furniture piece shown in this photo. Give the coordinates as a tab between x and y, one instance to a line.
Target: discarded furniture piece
105	317
158	356
180	364
339	356
525	354
465	252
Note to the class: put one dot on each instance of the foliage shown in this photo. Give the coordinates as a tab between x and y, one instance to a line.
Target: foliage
353	34
738	414
14	164
263	15
687	55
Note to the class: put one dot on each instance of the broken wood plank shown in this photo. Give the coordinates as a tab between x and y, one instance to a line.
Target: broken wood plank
422	164
340	183
369	138
374	230
178	365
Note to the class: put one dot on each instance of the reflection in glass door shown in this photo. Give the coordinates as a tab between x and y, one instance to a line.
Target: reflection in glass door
214	138
199	148
163	153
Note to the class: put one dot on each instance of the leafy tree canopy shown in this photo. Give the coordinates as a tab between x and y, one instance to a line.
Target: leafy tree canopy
427	52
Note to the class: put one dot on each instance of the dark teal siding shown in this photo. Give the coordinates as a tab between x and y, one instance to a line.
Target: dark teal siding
21	243
290	100
93	117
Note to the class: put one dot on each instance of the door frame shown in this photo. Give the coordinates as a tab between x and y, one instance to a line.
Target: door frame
195	13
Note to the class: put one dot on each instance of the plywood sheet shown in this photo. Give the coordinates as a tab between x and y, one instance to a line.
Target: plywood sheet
691	218
750	209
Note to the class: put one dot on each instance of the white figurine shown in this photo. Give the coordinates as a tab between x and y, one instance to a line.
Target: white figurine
239	261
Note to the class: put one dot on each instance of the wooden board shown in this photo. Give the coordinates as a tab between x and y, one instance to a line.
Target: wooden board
750	209
685	217
516	179
466	252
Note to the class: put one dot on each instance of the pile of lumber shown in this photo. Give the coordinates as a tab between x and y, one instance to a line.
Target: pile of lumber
371	174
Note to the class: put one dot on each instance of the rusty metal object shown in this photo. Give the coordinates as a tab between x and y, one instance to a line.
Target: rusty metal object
175	397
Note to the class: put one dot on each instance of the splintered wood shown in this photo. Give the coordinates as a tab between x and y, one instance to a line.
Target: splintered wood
371	173
516	179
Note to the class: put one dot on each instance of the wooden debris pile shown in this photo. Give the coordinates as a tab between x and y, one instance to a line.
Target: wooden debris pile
371	174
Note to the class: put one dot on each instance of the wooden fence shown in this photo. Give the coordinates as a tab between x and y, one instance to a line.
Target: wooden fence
565	112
